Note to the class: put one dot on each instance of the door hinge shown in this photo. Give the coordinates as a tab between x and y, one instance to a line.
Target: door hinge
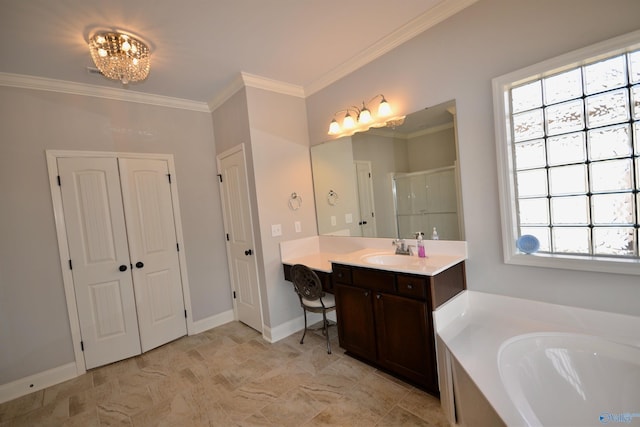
185	314
59	182
169	176
70	265
234	294
220	177
82	345
178	247
227	237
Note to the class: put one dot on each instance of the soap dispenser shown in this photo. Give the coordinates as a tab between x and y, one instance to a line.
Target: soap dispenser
434	235
420	243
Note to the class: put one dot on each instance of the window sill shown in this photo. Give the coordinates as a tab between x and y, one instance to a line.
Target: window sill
583	263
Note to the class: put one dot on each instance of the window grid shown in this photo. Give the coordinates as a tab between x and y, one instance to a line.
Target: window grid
541	123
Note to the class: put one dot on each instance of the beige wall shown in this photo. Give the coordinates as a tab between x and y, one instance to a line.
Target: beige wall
34	325
457	59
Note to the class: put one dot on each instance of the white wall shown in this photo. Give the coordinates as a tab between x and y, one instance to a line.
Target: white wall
457	59
282	165
34	325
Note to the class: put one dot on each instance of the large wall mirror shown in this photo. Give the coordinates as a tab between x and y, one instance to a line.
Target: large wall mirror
392	182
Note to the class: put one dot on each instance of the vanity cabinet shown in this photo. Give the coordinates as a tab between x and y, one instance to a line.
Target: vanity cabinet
384	318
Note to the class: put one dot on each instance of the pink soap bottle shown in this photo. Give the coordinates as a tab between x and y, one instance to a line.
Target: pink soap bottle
420	244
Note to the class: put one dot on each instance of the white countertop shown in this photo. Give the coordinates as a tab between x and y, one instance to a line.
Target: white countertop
474	325
319	252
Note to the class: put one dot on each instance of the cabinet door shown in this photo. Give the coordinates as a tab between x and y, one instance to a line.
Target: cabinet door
405	338
356	328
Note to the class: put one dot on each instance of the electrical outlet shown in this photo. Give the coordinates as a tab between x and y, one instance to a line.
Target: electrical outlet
298	226
276	230
333	220
348	218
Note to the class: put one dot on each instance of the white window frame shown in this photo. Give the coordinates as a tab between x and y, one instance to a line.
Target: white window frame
506	172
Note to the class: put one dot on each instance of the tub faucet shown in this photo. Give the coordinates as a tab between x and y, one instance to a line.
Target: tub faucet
401	248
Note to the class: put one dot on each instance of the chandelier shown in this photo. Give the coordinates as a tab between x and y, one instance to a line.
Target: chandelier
364	119
120	56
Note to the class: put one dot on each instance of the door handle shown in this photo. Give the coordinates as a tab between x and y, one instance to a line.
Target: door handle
139	264
122	268
248	252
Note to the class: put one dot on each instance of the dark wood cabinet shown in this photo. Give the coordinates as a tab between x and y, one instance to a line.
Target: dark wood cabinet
385	318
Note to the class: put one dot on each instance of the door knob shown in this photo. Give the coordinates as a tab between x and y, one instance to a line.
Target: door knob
139	264
248	252
122	268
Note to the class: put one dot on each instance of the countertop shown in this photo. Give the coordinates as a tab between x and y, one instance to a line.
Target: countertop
429	266
474	325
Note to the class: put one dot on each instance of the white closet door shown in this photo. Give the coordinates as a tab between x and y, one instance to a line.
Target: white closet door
96	233
146	192
234	194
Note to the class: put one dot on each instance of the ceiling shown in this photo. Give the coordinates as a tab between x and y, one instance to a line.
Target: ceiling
200	47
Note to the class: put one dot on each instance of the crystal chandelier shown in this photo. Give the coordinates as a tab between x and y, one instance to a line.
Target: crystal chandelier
120	56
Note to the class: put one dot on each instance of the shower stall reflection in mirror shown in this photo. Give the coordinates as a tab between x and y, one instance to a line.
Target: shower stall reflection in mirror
426	200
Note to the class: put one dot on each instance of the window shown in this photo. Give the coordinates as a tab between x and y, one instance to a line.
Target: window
568	144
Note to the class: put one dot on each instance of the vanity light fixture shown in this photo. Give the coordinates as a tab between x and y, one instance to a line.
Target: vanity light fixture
365	119
120	56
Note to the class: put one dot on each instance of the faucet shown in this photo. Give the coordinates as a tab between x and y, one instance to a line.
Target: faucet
401	248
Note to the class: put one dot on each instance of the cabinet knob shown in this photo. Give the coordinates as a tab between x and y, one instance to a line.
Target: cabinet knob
123	268
248	252
378	296
139	264
409	286
366	293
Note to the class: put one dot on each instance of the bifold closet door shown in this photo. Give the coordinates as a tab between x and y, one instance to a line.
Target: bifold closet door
153	248
124	255
97	239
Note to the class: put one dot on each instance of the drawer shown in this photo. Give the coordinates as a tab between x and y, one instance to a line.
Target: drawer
341	274
412	286
378	280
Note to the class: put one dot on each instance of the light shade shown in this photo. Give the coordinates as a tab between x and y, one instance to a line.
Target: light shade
120	56
384	109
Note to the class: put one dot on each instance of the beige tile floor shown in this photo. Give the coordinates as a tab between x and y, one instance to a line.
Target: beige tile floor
230	376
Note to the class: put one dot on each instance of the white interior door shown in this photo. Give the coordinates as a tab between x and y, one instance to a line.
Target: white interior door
365	198
96	234
234	192
153	248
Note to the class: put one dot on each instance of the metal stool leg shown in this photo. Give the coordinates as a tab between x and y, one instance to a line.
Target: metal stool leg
326	330
305	325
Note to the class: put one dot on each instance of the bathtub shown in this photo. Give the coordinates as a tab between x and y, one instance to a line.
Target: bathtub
590	379
515	362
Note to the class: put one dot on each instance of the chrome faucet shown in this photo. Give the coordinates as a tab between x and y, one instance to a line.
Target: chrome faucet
401	248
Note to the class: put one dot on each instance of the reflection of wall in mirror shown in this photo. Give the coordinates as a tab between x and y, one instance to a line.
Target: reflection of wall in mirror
333	169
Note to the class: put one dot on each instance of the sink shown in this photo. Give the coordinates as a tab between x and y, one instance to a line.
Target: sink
571	379
391	259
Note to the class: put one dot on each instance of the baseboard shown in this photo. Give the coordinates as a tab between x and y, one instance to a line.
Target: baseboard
292	326
35	382
211	322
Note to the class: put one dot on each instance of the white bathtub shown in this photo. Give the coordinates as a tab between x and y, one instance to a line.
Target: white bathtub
528	363
571	379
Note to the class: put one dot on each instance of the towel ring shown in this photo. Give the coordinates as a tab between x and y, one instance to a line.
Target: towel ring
295	201
332	198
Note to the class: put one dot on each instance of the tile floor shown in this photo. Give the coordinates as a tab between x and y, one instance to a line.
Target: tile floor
230	376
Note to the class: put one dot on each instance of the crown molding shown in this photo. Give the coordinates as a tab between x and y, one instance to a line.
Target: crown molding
251	80
62	86
411	29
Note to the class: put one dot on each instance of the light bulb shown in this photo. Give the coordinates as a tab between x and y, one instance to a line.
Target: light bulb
126	46
334	127
384	109
348	122
102	52
365	116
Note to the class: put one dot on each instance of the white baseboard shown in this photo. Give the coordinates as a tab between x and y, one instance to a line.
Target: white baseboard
211	322
292	326
35	382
